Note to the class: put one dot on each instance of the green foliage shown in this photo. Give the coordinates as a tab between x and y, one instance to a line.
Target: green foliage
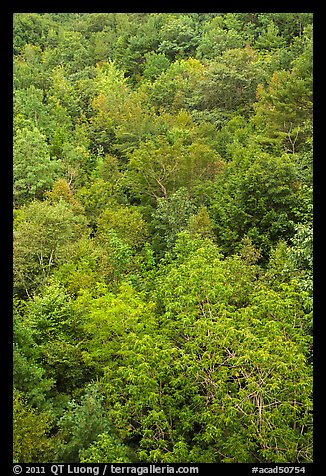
110	316
128	224
172	87
260	201
29	109
215	41
284	109
163	260
95	198
200	224
70	52
29	375
62	191
56	328
106	448
270	39
290	25
88	266
31	433
155	64
31	28
42	241
171	217
229	84
34	170
81	423
199	295
301	256
200	384
158	169
178	36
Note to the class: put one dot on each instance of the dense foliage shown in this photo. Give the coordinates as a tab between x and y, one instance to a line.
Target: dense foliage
163	237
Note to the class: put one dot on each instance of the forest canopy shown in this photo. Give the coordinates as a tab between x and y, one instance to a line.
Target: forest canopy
162	202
